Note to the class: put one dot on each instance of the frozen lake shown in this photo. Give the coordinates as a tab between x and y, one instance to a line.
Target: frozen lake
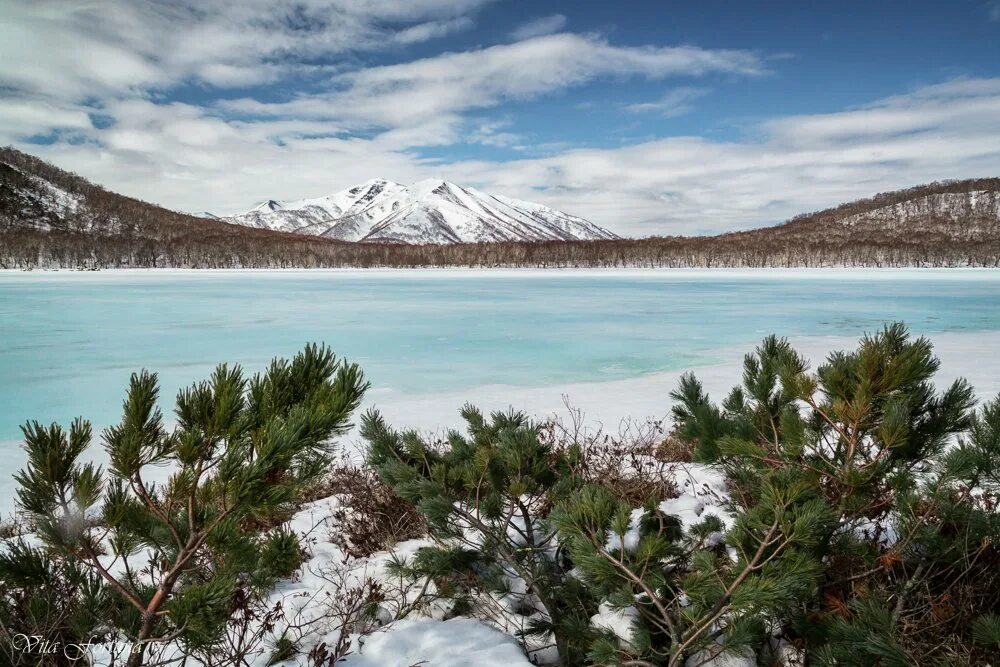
428	340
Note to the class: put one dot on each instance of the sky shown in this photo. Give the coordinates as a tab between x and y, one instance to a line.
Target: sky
649	117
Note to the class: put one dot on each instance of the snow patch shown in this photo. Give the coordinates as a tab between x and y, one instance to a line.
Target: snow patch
618	621
459	642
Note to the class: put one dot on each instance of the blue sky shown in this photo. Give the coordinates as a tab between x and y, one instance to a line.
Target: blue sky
647	117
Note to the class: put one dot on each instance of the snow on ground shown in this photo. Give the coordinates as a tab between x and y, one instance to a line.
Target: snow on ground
325	577
701	492
724	659
312	599
459	642
619	621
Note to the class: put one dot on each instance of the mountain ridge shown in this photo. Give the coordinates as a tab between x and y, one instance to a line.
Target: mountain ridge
429	211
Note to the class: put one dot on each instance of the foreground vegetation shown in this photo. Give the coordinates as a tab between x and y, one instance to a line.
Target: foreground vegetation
857	537
858	522
123	556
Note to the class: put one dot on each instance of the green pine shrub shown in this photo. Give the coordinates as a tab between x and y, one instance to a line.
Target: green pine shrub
486	496
45	598
891	530
175	561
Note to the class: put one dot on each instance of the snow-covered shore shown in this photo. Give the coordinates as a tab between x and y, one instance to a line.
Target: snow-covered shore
974	356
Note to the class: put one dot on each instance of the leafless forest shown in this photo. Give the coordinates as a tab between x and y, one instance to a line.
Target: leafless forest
50	218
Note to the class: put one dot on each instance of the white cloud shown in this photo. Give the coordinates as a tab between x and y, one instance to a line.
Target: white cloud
675	103
966	104
25	117
539	64
429	30
68	49
413	92
179	156
543	25
493	133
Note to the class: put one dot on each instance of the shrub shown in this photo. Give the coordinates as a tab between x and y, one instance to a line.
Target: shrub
177	557
902	525
631	464
370	516
485	497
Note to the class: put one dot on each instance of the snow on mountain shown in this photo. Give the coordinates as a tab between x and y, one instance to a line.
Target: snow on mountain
41	203
971	209
431	211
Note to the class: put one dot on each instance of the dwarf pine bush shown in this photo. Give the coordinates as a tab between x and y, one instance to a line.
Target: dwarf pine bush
486	496
873	487
169	561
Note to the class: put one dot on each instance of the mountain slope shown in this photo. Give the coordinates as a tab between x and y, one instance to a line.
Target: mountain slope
431	211
953	210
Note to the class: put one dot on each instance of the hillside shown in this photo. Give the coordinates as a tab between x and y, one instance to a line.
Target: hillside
52	218
956	210
432	211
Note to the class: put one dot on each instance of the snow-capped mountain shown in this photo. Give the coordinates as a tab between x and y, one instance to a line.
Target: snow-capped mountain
432	211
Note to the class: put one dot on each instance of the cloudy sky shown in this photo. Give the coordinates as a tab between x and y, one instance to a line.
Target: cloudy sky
648	117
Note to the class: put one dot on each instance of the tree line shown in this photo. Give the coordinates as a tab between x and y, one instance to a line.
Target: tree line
31	249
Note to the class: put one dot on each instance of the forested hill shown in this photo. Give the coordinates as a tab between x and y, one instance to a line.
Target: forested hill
52	218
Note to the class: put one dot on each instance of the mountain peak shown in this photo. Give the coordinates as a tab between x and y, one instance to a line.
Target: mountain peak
437	186
269	205
372	183
431	183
